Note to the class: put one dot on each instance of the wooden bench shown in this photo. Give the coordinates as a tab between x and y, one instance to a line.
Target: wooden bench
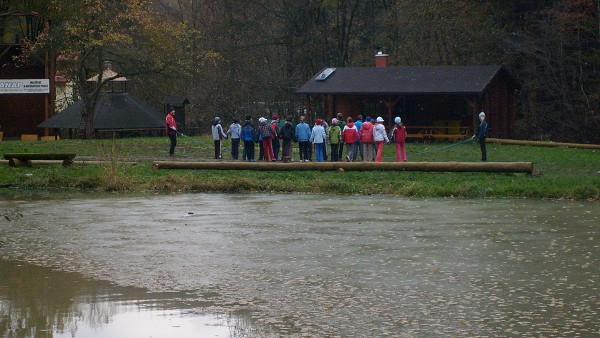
419	136
49	138
24	159
29	137
427	133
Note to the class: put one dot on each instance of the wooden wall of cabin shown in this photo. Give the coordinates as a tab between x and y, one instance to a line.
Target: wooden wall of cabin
511	111
498	103
429	110
20	113
369	105
320	106
349	106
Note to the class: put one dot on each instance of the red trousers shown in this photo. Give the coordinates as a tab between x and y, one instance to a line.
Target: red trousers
379	156
268	147
400	152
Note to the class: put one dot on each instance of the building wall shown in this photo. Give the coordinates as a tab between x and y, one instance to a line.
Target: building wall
498	103
349	106
20	113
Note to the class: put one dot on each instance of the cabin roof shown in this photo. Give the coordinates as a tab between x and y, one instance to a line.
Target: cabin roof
113	111
404	80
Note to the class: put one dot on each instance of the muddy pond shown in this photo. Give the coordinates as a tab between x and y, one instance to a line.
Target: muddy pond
222	265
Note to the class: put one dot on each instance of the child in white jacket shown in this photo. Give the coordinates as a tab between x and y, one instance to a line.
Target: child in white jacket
379	136
218	134
318	138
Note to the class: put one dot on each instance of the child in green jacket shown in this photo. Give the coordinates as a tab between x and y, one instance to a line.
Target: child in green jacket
335	139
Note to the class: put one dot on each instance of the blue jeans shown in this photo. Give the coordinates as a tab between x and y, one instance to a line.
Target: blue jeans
319	151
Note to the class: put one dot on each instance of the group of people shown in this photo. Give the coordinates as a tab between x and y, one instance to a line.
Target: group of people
360	138
326	141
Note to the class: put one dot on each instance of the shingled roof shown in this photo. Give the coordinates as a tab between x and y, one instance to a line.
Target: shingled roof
404	80
113	111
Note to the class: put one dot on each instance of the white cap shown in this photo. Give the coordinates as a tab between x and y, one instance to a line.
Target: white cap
482	114
397	120
379	119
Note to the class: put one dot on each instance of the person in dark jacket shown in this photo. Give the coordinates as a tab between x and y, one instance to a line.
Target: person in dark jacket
287	135
481	135
275	140
249	136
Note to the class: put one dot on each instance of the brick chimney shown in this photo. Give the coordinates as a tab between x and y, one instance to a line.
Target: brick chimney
381	60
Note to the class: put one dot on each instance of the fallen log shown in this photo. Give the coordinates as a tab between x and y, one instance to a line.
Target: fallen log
542	144
499	167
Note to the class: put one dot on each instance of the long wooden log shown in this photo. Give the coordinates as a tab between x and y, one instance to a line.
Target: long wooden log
542	144
501	167
24	159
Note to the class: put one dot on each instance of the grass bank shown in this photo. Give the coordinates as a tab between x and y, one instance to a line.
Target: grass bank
560	173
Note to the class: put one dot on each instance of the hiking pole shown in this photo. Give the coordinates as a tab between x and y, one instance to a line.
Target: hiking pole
437	149
445	147
204	144
189	138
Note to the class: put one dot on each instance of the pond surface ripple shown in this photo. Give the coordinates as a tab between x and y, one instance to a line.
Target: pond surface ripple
309	265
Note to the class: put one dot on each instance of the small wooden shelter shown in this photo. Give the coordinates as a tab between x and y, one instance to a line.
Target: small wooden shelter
432	99
116	110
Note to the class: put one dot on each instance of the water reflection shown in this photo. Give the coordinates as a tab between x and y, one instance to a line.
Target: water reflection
309	265
42	302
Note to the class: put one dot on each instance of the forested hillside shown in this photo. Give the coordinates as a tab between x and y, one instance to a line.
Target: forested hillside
248	56
261	50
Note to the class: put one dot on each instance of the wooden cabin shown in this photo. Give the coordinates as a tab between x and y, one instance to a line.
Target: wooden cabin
431	100
21	111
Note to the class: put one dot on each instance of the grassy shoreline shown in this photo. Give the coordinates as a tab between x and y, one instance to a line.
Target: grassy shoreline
560	173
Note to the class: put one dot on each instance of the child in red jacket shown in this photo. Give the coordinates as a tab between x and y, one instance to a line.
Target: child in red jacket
350	136
398	134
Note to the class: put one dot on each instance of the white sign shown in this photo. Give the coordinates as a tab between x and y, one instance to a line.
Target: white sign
25	86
